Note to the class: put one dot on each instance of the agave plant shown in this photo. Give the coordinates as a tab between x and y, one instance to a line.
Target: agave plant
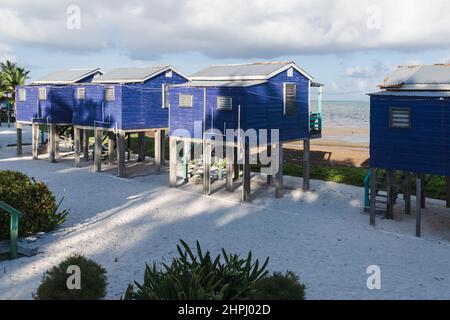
199	277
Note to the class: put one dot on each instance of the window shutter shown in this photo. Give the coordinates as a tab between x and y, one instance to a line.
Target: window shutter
165	96
185	101
22	95
290	98
400	118
224	103
110	94
42	94
81	93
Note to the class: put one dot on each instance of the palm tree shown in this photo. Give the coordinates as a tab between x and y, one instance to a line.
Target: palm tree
10	77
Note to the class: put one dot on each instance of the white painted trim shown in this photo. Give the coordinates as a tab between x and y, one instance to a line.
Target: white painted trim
154	74
284	96
69	81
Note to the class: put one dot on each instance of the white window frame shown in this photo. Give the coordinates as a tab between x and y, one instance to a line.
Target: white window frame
40	90
22	94
285	95
113	89
392	125
186	95
169	74
164	100
290	72
79	96
225	108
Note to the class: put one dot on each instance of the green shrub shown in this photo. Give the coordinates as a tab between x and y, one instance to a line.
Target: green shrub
54	282
33	199
279	286
199	277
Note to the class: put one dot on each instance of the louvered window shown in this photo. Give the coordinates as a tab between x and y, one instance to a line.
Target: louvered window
400	118
165	96
42	94
81	93
22	95
290	99
185	101
109	94
224	103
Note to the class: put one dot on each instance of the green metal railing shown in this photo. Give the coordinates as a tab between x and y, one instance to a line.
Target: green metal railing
14	227
367	190
315	123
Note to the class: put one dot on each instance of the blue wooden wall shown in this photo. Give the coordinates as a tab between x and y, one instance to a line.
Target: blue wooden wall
423	148
261	108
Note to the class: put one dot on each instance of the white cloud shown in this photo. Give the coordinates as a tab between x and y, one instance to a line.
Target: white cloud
7	53
232	28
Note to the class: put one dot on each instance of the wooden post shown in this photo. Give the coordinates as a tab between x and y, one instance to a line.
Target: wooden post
269	154
246	185
81	139
206	167
19	138
390	194
407	192
230	163
159	147
111	146
52	142
141	145
98	135
186	159
86	145
120	140
173	159
35	140
373	195
306	161
418	204
423	195
236	166
128	137
56	143
447	191
77	134
279	186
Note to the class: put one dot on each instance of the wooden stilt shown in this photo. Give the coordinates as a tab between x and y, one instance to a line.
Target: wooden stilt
120	139
52	142
447	191
173	159
407	192
279	186
128	138
423	195
35	140
141	143
306	162
111	147
19	139
81	139
56	143
269	154
373	195
229	164
236	166
98	135
390	194
77	134
206	168
86	145
418	204
160	139
186	159
246	185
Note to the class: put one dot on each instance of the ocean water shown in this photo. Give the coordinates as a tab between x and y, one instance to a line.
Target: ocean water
353	114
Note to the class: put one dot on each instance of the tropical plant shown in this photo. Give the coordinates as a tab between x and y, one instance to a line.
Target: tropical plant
11	76
54	285
278	286
199	277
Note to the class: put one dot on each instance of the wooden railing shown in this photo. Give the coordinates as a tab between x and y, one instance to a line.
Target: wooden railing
14	227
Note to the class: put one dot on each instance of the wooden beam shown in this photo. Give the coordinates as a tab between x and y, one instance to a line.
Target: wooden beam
160	140
418	205
77	134
111	147
81	138
19	139
52	143
447	191
306	163
35	140
269	154
173	159
246	185
423	195
229	158
141	146
98	135
120	140
279	185
390	194
206	168
86	145
407	192
236	166
373	195
186	159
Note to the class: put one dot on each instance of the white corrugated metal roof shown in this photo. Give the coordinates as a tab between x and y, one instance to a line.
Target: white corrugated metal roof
248	71
428	94
425	77
236	83
70	76
134	74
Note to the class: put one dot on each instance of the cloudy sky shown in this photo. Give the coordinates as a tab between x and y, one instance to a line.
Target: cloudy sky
349	45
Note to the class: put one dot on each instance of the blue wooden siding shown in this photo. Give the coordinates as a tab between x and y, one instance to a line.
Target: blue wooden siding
423	148
261	108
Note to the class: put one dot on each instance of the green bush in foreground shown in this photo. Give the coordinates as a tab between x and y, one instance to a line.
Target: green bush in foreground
92	281
279	286
33	199
199	277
